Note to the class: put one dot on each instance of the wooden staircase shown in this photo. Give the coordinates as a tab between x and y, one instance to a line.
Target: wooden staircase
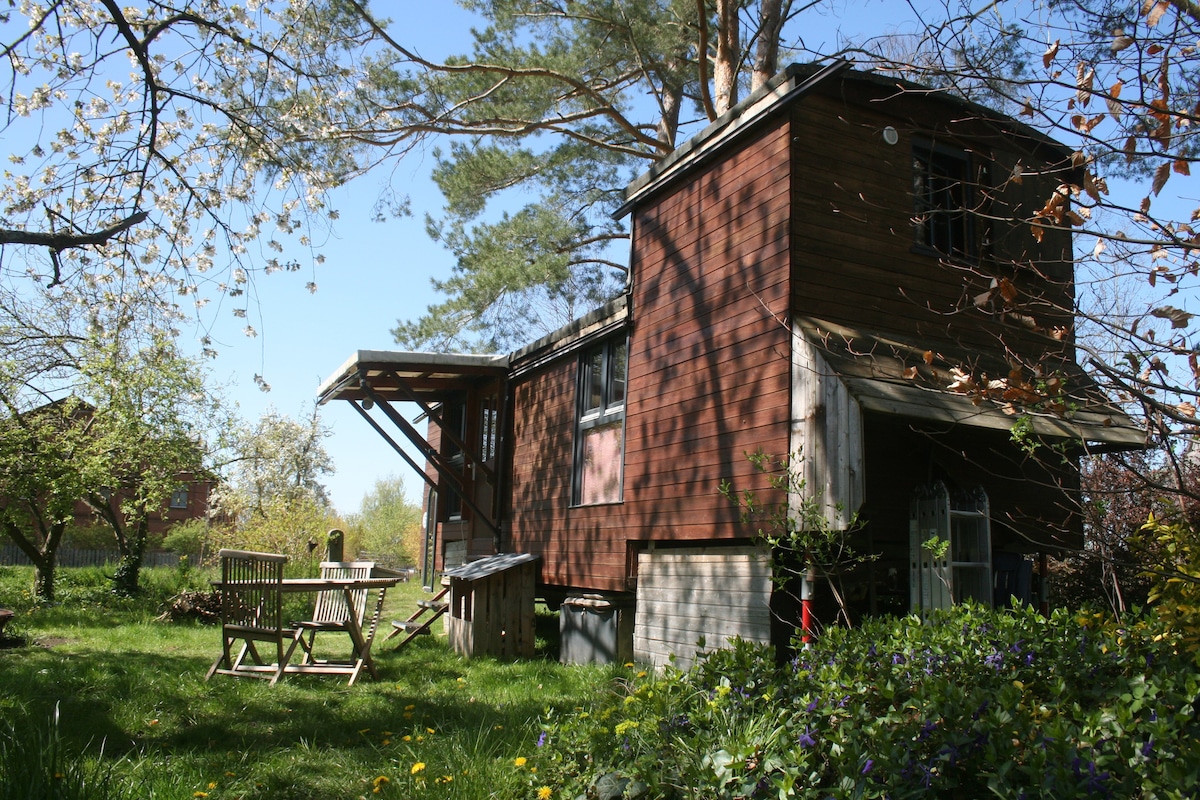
427	613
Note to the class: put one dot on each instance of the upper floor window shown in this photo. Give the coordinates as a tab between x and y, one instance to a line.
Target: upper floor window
948	188
600	432
179	497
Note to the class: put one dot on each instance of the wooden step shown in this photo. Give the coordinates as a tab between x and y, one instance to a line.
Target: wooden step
434	605
408	626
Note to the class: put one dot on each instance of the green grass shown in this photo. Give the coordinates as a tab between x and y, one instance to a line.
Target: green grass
135	717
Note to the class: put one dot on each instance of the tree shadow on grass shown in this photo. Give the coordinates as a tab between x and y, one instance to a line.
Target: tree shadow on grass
140	701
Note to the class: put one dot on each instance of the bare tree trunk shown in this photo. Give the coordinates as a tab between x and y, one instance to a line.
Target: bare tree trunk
766	51
725	86
43	556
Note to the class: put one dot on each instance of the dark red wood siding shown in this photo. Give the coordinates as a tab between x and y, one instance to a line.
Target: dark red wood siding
709	360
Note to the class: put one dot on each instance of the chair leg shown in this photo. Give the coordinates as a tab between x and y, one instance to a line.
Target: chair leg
297	637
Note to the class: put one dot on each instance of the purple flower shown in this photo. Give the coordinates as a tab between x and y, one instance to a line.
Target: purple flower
806	738
541	739
867	766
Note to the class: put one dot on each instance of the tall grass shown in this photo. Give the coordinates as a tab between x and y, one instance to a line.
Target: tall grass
133	716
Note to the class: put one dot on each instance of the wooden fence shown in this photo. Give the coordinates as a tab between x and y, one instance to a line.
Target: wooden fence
11	555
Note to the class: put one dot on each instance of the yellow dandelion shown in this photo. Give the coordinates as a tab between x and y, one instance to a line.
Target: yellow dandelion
420	738
430	730
386	742
407	738
212	785
386	733
152	722
409	707
408	715
199	794
229	774
520	761
544	793
499	728
417	767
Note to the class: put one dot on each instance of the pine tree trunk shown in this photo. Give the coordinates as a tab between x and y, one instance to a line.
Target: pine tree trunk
766	51
728	48
668	124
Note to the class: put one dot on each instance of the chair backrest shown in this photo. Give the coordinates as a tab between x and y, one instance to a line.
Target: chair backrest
331	605
251	589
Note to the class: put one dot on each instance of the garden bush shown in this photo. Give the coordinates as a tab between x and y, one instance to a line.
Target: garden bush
970	703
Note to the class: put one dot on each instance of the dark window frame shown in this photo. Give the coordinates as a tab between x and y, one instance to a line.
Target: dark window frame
950	188
179	498
601	399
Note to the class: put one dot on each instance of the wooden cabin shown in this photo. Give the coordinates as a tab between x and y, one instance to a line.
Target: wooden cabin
845	266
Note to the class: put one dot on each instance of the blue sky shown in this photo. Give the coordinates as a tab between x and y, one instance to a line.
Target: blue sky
376	273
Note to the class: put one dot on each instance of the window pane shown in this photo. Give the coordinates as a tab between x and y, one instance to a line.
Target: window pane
600	479
616	376
593	380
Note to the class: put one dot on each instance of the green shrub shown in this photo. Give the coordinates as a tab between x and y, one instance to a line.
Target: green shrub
972	703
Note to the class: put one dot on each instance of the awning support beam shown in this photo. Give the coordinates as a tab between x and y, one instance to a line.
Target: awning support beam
453	479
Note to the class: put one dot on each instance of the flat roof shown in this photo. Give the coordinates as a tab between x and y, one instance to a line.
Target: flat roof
431	376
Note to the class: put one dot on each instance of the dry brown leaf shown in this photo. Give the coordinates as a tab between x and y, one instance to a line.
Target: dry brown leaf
1084	79
1154	11
1007	290
1181	167
1016	175
1027	109
1112	101
1051	52
1186	409
928	356
1038	232
1120	41
1160	178
910	373
1074	218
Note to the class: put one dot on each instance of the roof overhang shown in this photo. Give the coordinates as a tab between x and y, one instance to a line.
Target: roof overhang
397	375
888	375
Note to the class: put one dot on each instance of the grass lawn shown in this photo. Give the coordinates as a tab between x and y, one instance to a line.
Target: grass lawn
135	717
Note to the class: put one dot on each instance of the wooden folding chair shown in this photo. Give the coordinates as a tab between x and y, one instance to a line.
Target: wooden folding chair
252	611
331	613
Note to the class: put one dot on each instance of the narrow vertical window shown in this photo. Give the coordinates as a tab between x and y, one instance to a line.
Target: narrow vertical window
179	497
600	432
943	198
454	420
